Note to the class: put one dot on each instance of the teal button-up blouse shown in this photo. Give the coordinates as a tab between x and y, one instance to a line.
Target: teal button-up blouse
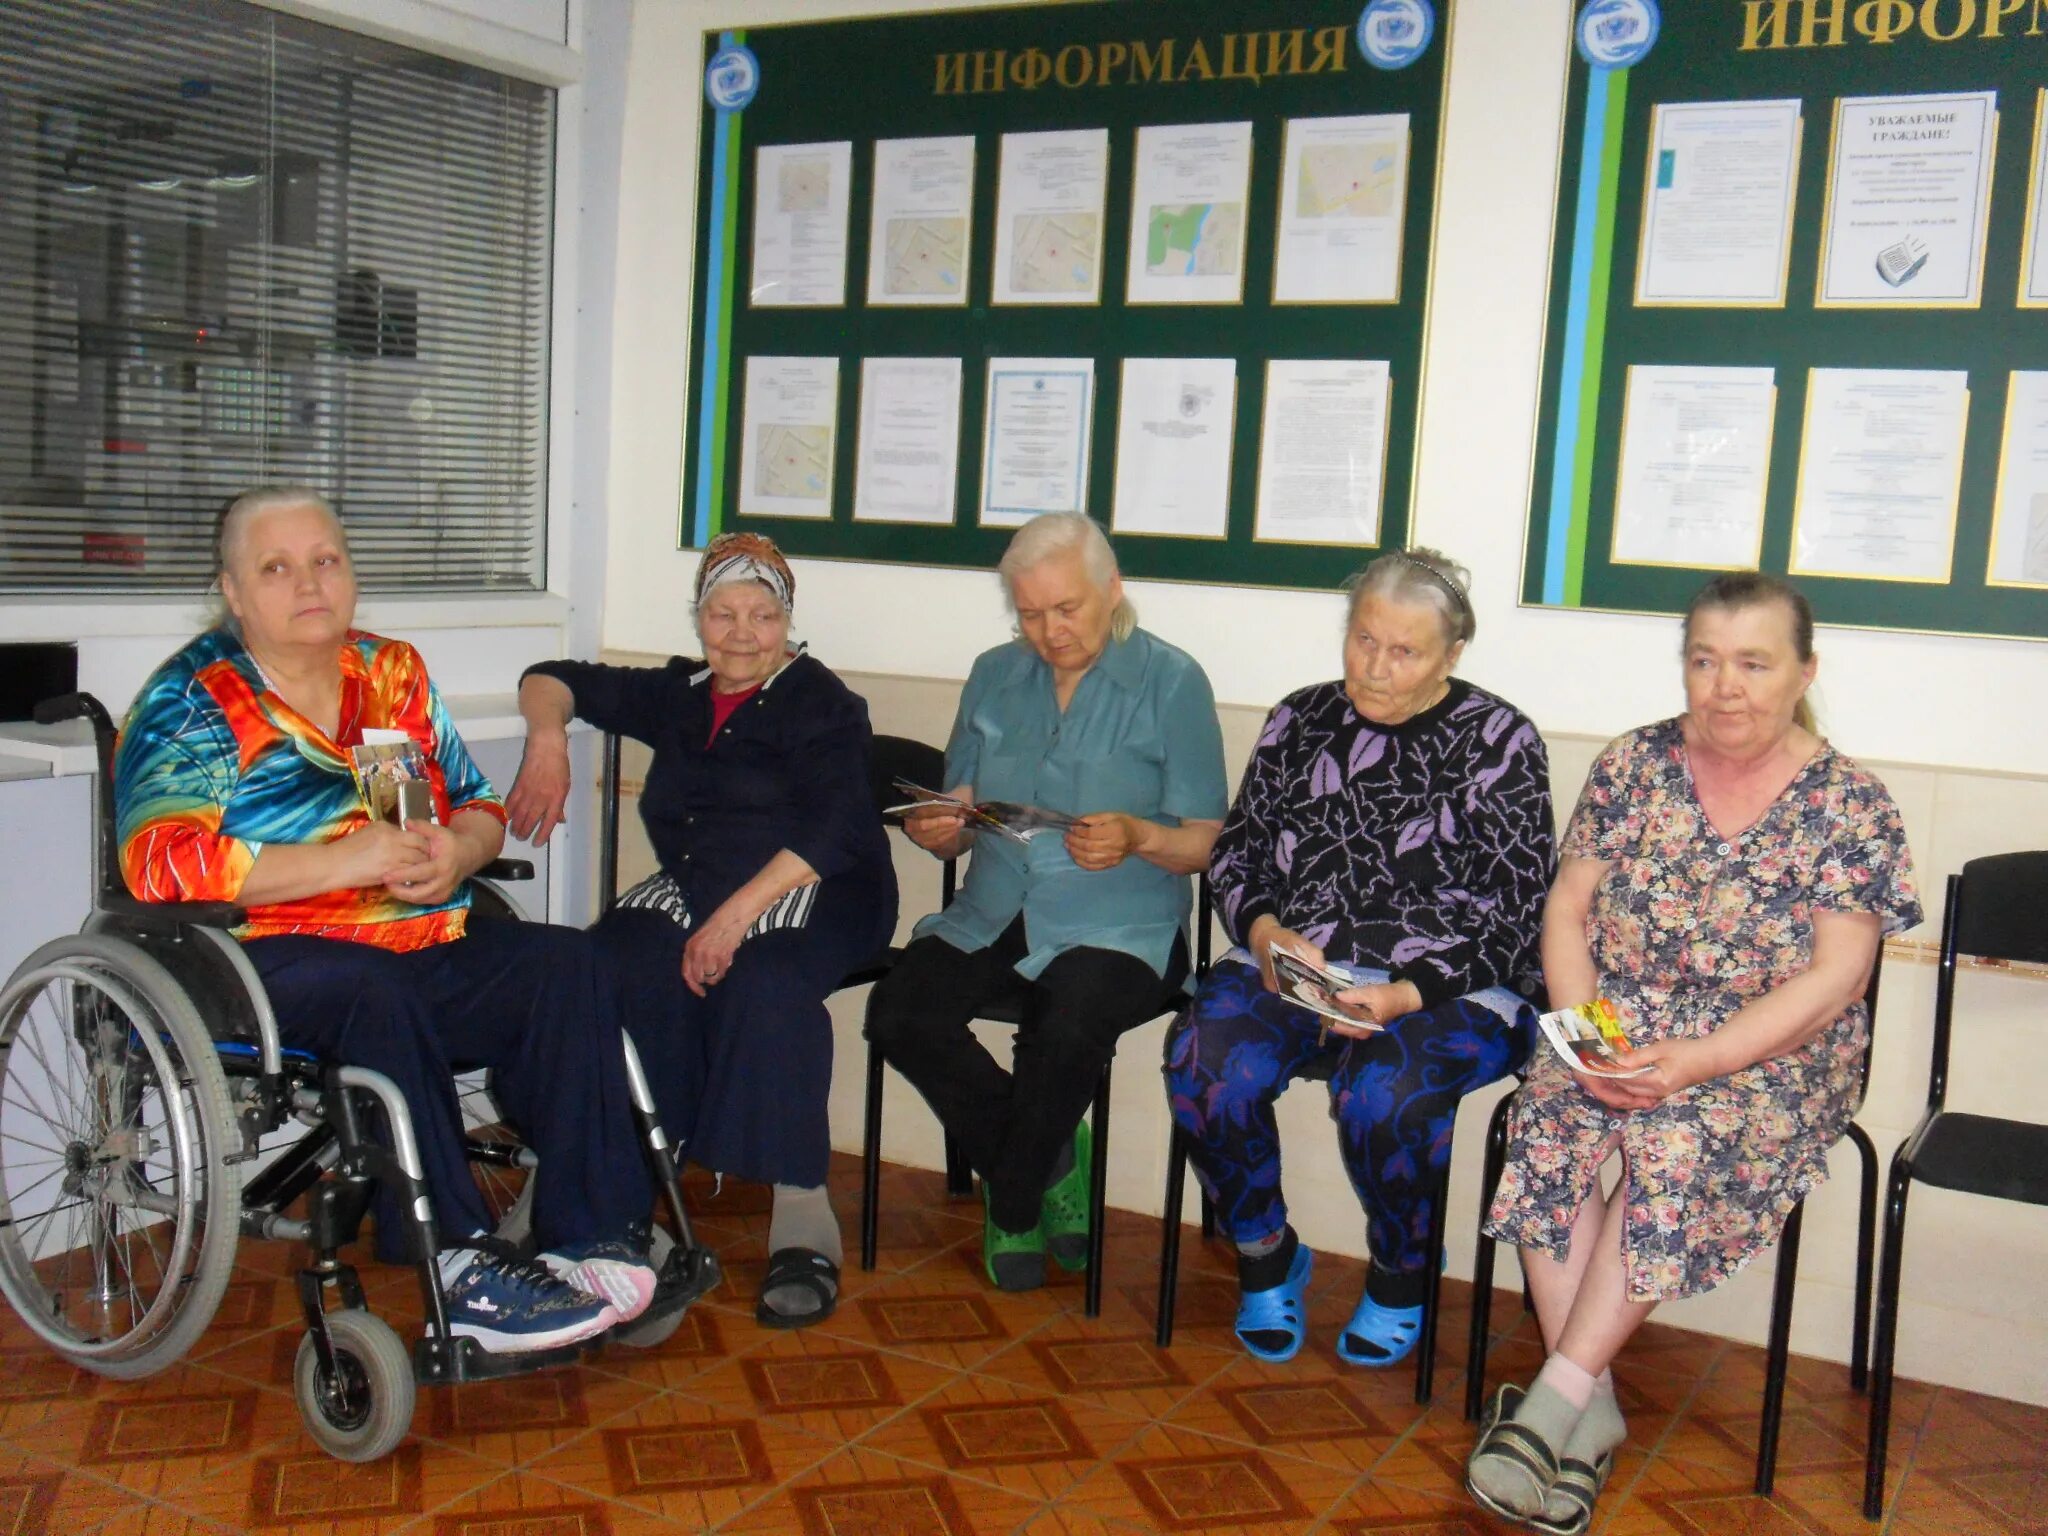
1139	736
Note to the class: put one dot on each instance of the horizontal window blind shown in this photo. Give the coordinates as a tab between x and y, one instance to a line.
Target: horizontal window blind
239	248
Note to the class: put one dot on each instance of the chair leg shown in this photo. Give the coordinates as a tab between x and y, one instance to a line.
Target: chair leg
1098	1193
959	1176
871	1158
1777	1351
1480	1337
1425	1346
1208	1210
1169	1234
1866	1253
1887	1338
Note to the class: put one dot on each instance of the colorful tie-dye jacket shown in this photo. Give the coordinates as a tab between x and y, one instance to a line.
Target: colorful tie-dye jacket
213	765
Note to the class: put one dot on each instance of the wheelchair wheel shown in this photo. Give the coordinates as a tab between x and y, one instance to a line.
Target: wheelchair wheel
119	1212
362	1409
499	1161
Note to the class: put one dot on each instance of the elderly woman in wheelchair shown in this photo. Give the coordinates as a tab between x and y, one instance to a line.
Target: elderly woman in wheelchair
236	782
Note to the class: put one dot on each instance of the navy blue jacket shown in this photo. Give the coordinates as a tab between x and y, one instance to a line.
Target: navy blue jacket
788	770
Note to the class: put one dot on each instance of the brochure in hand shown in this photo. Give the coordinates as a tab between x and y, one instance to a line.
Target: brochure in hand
390	770
1589	1037
1315	987
1021	822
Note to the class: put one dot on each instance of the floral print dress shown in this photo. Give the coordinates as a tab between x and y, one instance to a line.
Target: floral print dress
1686	928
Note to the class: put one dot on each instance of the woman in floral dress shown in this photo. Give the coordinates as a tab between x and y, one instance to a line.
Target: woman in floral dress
1725	881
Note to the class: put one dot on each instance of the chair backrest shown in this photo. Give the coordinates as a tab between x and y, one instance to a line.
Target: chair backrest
1997	910
1870	992
903	757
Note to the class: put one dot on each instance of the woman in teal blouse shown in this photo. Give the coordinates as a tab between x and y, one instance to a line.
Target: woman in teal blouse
1088	715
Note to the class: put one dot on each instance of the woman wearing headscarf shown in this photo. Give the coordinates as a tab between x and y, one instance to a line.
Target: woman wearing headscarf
774	882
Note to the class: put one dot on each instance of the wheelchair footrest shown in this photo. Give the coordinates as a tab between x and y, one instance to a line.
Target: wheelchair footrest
443	1362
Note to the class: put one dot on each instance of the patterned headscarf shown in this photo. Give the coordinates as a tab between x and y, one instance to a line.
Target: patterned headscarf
747	557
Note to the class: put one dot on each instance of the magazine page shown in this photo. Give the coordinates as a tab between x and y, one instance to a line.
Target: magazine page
390	771
1316	987
1588	1039
1019	822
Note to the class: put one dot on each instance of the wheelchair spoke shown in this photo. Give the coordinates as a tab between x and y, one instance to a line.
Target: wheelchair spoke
35	1050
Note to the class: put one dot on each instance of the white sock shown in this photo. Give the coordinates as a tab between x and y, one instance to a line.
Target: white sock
1574	1385
801	1217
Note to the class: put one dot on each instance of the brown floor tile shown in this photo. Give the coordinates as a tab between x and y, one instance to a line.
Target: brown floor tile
1991	1499
522	1418
1175	1480
684	1460
862	1490
42	1498
520	1504
1377	1507
1035	1445
1124	1372
825	1386
1303	1409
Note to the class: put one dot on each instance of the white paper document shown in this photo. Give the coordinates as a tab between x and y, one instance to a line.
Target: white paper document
800	203
907	465
2019	530
1879	471
1322	452
2034	259
1035	438
923	211
790	412
1343	192
1695	460
1188	193
1909	196
1717	203
1049	194
1175	416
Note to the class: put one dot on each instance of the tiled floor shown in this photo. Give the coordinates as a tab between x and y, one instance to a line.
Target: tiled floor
931	1405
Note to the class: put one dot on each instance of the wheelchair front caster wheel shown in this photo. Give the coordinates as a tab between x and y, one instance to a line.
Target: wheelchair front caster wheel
361	1410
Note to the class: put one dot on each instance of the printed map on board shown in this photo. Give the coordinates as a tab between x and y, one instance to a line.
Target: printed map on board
1349	181
1054	252
925	256
1192	239
793	461
804	186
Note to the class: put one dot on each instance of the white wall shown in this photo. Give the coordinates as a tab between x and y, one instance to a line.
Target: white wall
1903	697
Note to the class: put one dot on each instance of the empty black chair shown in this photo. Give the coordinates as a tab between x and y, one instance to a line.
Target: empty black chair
1997	910
1777	1351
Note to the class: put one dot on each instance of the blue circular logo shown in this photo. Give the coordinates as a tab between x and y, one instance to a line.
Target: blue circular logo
732	77
1613	34
1392	34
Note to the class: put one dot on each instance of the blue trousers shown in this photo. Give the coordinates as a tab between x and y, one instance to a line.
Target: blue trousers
1394	1096
526	1000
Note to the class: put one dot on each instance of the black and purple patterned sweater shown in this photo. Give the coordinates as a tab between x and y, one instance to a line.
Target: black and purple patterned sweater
1424	849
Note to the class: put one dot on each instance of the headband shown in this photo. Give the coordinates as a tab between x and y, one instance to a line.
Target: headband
1450	586
747	557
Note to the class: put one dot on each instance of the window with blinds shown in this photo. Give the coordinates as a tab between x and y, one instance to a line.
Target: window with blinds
237	248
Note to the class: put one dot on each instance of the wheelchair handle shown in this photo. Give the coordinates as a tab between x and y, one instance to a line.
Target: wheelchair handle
71	706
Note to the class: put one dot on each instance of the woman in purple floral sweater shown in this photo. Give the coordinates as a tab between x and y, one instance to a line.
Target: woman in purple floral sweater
1396	823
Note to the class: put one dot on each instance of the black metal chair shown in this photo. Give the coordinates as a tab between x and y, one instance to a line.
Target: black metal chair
1169	1248
1777	1351
894	756
1997	910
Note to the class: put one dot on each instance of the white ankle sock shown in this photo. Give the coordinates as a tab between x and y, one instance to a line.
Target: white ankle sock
1570	1382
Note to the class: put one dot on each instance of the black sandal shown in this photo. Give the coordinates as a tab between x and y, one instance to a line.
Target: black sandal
1521	1448
804	1267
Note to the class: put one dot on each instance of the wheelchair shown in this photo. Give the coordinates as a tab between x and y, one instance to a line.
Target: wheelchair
146	1112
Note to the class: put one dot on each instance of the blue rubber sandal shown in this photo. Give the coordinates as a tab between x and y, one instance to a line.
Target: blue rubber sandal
1392	1330
1282	1309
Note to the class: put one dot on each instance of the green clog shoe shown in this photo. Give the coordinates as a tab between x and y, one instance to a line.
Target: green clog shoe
1015	1261
1063	1218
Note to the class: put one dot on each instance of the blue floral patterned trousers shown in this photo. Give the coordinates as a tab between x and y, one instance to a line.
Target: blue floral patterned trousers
1394	1096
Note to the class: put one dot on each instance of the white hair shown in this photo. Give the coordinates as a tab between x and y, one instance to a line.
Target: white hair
1052	534
1419	575
238	514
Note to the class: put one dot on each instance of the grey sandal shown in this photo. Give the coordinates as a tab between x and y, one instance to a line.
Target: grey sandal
1576	1489
1523	1449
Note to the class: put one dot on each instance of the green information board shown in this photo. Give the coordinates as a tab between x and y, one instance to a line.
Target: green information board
1831	501
1119	66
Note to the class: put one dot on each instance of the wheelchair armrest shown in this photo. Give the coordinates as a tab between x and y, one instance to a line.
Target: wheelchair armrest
201	914
507	869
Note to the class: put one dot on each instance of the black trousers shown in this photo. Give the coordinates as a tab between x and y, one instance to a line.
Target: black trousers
527	1000
1012	1124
